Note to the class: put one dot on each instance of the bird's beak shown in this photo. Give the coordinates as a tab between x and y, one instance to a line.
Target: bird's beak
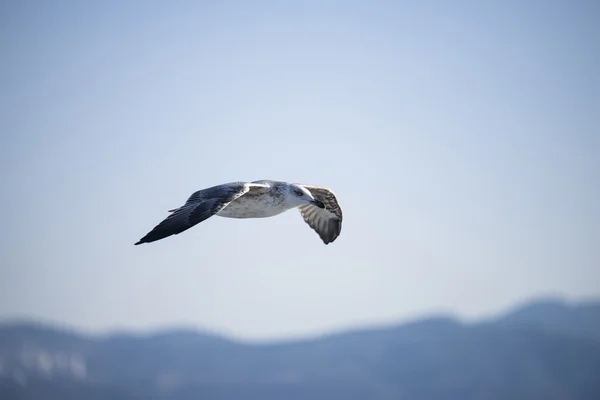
318	203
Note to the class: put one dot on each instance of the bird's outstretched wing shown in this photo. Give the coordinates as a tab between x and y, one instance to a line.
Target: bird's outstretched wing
326	222
200	206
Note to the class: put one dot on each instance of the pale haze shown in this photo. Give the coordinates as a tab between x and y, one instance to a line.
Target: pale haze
461	140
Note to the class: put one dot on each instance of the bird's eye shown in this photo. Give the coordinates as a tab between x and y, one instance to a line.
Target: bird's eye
299	192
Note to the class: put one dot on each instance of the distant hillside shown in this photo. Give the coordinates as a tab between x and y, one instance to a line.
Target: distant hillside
581	320
543	350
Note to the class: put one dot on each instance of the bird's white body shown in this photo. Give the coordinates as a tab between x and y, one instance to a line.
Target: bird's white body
250	208
264	199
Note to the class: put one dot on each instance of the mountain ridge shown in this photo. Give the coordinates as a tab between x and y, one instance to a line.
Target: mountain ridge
525	308
538	350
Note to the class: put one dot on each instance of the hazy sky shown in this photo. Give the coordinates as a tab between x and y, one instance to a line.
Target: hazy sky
461	138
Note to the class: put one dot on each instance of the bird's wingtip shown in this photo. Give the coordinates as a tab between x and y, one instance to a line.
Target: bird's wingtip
138	242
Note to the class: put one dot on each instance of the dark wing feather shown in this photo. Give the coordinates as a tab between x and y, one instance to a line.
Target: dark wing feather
200	206
326	222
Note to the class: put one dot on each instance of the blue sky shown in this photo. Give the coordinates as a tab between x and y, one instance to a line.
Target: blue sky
461	139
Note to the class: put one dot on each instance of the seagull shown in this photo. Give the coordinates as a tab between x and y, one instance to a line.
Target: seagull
259	199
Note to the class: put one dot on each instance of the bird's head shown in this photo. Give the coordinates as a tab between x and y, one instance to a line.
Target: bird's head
299	195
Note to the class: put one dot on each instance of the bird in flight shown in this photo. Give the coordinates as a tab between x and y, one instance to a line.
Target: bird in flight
259	199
